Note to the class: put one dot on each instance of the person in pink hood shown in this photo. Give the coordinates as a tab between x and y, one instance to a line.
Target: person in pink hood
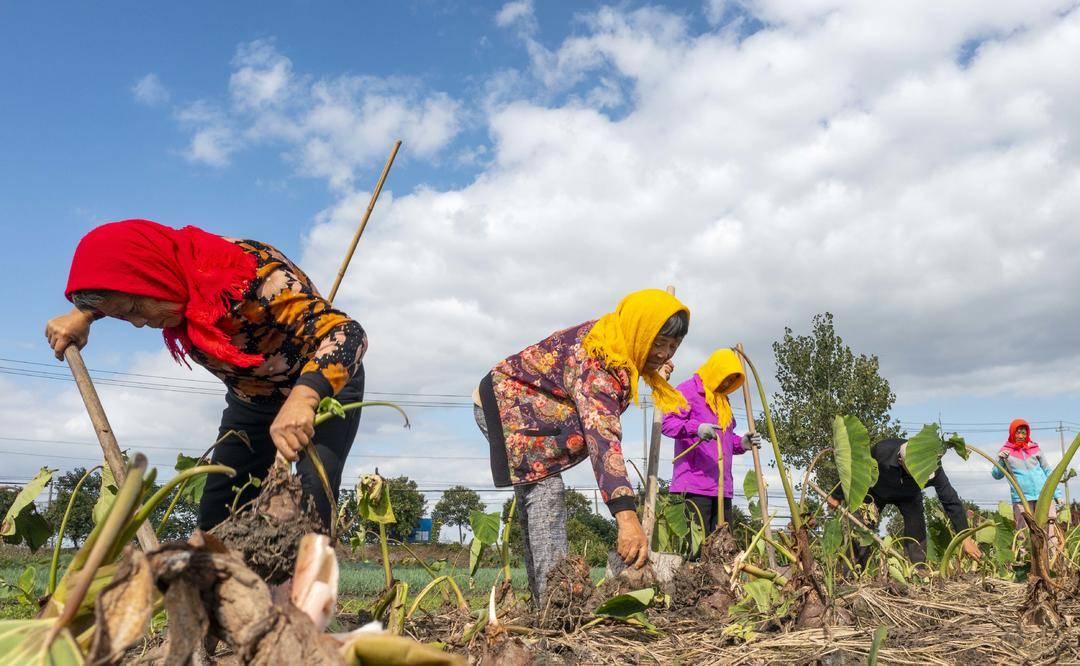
1023	458
706	426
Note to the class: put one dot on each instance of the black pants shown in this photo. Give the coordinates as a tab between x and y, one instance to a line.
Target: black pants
911	510
333	439
707	505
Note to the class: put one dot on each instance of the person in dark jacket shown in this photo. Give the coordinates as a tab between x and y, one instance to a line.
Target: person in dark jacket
897	487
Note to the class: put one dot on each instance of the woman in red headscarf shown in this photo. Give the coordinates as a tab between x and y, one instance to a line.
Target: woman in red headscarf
243	311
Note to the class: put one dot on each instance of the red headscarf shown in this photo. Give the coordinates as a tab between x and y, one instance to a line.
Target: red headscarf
188	266
1012	435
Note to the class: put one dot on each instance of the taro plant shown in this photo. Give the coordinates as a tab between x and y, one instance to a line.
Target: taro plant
679	527
23	523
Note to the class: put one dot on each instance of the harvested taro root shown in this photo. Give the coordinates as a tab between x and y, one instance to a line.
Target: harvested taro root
566	603
267	531
704	587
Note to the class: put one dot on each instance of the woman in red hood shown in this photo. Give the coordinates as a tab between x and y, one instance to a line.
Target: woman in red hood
1023	458
243	311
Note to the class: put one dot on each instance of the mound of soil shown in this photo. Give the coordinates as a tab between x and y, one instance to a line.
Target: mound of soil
569	589
267	531
703	587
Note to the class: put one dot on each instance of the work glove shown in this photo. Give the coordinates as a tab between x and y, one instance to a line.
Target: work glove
751	441
706	431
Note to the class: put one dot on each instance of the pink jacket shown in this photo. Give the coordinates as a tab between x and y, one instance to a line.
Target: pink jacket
697	471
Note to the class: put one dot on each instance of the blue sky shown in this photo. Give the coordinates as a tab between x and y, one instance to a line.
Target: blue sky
557	155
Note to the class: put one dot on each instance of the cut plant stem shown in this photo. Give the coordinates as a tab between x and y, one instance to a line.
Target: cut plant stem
758	572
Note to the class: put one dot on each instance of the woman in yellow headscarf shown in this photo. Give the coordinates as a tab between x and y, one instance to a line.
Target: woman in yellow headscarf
708	419
558	402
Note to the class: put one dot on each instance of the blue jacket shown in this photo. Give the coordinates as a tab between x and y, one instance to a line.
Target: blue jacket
1030	469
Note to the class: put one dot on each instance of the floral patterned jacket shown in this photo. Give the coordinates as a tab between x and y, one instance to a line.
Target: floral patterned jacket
552	405
305	340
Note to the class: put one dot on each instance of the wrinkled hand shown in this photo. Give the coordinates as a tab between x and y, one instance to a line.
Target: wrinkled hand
971	549
706	431
72	328
1003	455
666	369
294	425
631	544
751	441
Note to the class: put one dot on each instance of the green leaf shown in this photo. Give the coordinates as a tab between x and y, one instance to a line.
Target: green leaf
762	592
329	405
938	539
106	496
923	455
675	515
1005	510
1046	497
24	499
626	604
957	443
833	538
987	535
1004	533
879	638
23	642
851	450
27	580
485	526
373	500
194	488
954	547
33	528
749	485
475	549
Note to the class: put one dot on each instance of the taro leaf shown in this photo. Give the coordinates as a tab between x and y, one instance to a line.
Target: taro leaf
957	443
851	449
1005	510
106	495
373	502
123	609
394	650
763	593
23	642
987	535
697	534
938	541
193	489
331	406
485	526
749	485
629	607
924	452
833	538
33	528
754	509
675	515
1004	533
1046	497
437	565
24	499
863	537
26	581
475	549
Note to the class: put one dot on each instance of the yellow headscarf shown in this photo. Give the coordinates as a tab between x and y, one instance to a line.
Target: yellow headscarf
622	339
723	363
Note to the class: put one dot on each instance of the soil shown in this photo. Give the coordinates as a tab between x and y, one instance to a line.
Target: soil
267	531
569	589
703	587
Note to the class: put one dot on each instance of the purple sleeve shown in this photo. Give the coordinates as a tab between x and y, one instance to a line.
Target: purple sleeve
679	424
735	440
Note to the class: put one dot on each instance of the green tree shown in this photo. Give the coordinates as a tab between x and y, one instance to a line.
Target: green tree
81	519
7	498
576	504
454	508
820	377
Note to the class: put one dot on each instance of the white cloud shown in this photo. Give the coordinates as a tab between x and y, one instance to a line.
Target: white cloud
149	90
329	126
519	13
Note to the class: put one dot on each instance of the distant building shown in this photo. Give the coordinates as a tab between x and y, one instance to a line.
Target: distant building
422	533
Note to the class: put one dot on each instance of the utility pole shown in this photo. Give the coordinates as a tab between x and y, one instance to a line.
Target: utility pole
1068	501
595	502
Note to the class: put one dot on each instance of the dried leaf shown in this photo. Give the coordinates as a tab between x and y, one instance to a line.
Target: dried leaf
187	622
123	609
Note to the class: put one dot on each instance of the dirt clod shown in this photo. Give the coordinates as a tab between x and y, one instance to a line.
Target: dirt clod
267	531
569	588
703	586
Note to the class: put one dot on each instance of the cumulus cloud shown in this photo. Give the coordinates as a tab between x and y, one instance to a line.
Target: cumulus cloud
913	169
329	126
149	90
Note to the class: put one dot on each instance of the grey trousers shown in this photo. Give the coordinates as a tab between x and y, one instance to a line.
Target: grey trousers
541	508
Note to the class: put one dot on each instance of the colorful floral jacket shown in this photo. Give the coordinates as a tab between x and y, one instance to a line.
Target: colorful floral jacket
551	406
305	340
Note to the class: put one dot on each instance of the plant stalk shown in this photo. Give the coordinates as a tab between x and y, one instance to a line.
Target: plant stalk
54	565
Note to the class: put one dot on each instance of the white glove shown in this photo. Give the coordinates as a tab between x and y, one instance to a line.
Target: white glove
706	431
751	441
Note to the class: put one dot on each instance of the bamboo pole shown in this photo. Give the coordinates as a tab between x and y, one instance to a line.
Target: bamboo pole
364	220
147	539
763	496
652	473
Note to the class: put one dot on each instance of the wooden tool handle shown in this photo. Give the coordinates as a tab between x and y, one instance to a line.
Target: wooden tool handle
113	458
652	473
